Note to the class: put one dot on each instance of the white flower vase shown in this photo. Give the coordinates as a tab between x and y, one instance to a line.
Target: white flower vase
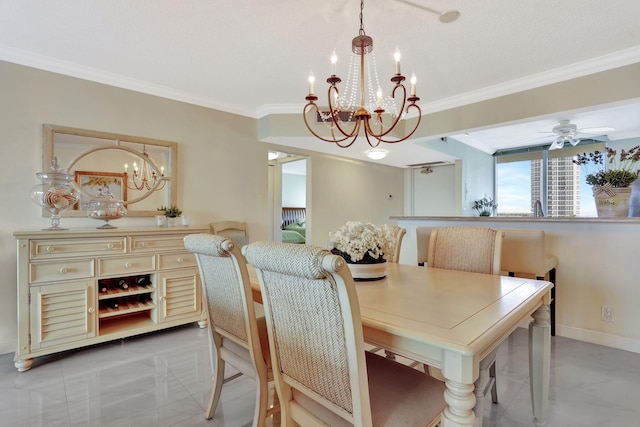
366	272
173	221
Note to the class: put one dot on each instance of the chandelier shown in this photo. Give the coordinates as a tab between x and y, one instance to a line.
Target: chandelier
346	118
144	176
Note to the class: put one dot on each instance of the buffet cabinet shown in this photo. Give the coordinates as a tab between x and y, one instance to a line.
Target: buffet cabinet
82	287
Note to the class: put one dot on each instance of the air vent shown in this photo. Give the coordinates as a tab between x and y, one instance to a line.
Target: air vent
424	165
345	116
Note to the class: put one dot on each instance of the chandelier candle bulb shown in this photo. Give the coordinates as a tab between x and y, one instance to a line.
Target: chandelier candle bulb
334	61
312	80
379	96
414	80
396	57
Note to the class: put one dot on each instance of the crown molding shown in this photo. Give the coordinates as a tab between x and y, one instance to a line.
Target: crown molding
71	69
580	69
573	71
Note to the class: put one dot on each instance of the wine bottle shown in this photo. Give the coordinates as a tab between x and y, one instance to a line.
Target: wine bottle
103	288
142	281
122	284
112	303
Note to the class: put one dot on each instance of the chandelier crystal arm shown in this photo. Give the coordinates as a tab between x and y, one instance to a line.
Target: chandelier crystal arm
312	106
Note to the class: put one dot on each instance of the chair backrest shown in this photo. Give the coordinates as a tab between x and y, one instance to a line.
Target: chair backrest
524	251
234	230
398	233
423	234
314	328
474	249
227	291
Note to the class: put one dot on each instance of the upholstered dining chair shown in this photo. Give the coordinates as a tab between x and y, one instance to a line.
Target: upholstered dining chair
423	234
473	249
398	232
234	230
321	371
524	253
239	333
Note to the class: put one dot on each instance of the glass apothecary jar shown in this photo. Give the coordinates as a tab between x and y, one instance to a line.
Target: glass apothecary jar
105	207
56	194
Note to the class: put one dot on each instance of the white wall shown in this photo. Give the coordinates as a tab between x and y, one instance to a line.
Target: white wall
222	167
597	266
294	190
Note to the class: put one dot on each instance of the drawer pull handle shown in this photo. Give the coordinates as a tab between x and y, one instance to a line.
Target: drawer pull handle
91	310
64	270
180	260
143	244
110	245
51	249
127	265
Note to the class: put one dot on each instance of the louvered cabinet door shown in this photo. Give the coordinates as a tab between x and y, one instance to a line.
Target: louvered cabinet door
180	295
62	313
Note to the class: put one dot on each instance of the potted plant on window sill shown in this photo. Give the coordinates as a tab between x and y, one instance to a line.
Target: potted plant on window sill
485	206
611	180
172	213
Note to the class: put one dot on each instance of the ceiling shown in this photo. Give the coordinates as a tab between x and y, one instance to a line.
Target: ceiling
252	58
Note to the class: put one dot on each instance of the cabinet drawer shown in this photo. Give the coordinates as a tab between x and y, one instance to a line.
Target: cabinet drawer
126	265
43	249
177	260
153	244
42	272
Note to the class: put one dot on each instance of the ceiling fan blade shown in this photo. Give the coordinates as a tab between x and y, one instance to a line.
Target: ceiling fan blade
602	129
445	17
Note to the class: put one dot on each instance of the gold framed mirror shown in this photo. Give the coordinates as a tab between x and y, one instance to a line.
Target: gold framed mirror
143	170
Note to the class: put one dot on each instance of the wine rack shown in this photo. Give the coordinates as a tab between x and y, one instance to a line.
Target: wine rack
82	287
125	295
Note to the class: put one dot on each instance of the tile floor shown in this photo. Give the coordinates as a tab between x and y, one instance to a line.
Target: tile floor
163	379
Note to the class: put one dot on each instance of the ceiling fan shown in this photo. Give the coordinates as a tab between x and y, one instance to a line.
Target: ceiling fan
566	131
444	17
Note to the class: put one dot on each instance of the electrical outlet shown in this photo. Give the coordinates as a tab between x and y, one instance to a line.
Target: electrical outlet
608	314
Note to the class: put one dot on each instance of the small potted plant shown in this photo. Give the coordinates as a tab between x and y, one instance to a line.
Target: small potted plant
172	213
485	206
610	175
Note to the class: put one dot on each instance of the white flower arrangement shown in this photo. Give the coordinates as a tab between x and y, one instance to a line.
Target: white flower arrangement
362	241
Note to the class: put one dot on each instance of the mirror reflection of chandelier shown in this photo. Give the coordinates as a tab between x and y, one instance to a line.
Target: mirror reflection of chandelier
345	117
144	177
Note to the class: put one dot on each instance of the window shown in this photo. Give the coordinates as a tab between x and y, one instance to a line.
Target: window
523	178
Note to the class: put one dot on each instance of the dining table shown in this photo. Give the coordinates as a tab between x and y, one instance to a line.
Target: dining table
451	320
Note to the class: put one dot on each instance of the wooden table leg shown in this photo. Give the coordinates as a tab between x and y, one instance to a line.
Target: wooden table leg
460	402
539	363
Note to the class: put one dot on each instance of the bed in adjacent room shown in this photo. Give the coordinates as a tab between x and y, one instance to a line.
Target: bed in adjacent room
293	225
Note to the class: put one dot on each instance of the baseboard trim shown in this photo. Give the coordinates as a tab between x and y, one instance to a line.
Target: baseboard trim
601	338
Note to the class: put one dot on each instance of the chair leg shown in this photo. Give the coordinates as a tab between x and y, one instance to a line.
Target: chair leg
552	306
262	403
494	387
218	380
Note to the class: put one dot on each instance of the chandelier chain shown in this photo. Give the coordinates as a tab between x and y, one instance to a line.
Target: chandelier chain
361	32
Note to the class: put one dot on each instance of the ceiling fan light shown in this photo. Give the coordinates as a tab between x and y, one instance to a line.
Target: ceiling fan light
557	144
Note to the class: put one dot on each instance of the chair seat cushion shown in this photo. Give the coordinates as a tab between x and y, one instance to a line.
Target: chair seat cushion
399	395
